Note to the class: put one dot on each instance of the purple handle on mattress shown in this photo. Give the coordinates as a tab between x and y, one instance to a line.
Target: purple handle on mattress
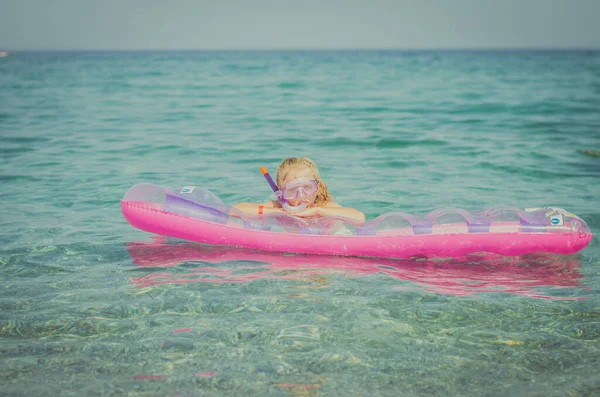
183	206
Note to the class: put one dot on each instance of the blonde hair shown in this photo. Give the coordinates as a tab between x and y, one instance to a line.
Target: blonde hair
290	164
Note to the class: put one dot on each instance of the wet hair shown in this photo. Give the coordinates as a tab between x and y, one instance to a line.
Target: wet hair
290	164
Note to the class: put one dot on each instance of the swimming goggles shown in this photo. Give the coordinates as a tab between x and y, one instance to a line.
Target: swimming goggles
299	188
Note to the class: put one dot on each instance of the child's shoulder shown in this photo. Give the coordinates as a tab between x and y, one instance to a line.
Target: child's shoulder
332	204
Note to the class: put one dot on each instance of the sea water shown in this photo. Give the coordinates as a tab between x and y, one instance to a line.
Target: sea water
91	306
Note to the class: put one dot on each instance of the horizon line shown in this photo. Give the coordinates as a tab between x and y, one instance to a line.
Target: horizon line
340	49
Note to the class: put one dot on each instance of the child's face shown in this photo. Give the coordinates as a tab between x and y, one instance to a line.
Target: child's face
296	176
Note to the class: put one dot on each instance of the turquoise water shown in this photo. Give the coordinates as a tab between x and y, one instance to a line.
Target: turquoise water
91	306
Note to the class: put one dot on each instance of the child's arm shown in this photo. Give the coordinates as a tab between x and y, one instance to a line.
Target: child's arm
331	209
255	209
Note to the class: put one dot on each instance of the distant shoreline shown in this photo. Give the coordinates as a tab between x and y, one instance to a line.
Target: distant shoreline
295	50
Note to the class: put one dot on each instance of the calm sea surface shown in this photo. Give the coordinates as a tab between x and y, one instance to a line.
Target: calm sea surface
90	306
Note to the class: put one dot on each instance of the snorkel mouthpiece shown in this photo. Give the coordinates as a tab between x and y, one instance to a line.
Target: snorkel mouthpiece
279	195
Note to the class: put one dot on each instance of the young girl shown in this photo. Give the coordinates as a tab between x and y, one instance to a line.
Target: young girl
299	181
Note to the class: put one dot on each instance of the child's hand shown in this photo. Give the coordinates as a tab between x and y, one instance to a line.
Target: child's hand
312	212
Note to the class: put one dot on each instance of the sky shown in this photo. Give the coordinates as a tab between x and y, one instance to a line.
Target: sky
298	24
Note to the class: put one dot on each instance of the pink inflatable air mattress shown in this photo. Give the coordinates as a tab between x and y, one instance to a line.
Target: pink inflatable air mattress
195	214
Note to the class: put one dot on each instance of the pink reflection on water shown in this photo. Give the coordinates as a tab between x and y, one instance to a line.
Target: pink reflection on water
150	377
206	374
481	273
181	330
